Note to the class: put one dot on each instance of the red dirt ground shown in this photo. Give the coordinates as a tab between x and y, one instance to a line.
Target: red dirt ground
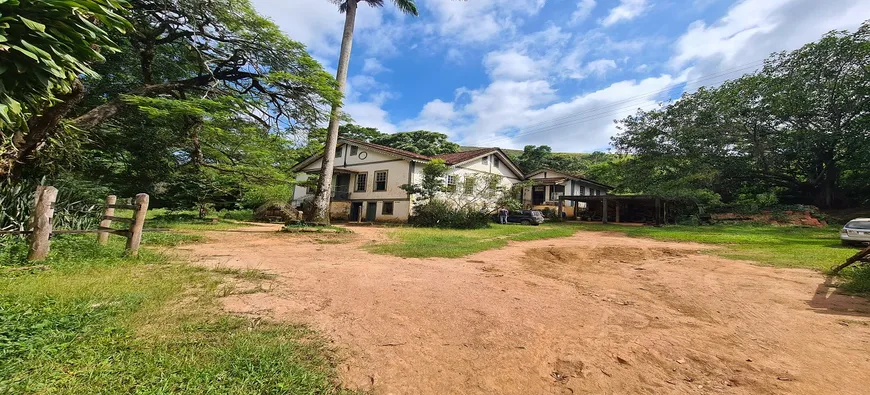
593	313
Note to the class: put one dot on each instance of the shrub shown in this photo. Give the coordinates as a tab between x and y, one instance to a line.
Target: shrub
260	195
236	215
857	279
436	213
73	208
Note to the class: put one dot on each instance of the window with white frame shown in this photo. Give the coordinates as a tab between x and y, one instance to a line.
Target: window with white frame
361	181
451	183
380	181
485	160
496	162
338	152
468	187
387	208
353	150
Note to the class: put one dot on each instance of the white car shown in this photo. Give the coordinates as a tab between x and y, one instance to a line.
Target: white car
857	231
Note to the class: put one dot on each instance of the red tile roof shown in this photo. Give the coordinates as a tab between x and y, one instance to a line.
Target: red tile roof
459	157
384	148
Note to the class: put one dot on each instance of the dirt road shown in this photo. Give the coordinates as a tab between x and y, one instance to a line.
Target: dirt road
594	313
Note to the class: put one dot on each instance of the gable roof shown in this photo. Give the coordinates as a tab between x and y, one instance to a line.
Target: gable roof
464	156
451	159
383	148
569	175
457	158
390	150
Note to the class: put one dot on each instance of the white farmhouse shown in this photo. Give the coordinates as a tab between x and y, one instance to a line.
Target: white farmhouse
548	185
368	178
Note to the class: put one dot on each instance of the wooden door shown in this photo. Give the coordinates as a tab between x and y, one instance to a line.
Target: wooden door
371	211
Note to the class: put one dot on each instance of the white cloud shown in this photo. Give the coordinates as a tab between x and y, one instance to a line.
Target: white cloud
373	66
478	21
455	56
752	29
584	9
600	67
318	24
370	114
581	124
361	83
436	116
625	11
512	65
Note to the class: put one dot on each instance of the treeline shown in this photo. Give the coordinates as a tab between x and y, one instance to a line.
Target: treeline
540	157
201	103
194	102
797	131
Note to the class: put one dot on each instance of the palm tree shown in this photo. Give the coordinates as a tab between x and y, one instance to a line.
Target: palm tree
324	186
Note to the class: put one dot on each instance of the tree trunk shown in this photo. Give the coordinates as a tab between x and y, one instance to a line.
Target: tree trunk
194	127
39	130
324	185
146	58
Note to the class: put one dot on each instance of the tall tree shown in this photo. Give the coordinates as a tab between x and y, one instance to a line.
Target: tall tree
46	46
421	142
324	187
188	50
797	129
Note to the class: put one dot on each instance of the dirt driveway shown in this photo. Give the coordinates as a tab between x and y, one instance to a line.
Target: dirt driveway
594	313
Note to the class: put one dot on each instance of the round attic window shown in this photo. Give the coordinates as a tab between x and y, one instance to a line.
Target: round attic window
362	155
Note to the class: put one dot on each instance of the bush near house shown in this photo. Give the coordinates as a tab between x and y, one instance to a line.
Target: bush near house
435	213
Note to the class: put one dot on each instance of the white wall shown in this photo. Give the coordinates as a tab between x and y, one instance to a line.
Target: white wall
475	168
397	175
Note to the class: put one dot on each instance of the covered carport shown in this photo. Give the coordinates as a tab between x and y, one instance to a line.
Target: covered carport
622	208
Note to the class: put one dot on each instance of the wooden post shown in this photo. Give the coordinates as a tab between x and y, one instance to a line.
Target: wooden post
860	256
617	211
134	238
560	208
658	215
103	237
604	210
40	222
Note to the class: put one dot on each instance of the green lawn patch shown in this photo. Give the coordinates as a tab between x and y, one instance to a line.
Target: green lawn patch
91	321
780	246
449	243
190	220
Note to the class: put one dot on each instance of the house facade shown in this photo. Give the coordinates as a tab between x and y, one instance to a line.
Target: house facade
368	177
548	185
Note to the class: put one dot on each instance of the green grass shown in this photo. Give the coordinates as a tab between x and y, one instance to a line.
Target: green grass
95	322
448	243
302	228
814	248
780	246
189	219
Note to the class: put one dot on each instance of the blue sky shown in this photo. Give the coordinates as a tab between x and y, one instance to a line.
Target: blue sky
509	73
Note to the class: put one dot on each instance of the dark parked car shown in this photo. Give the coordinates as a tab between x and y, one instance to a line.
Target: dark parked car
525	217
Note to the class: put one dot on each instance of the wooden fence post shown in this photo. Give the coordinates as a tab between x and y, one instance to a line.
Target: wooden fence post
134	237
40	222
103	237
